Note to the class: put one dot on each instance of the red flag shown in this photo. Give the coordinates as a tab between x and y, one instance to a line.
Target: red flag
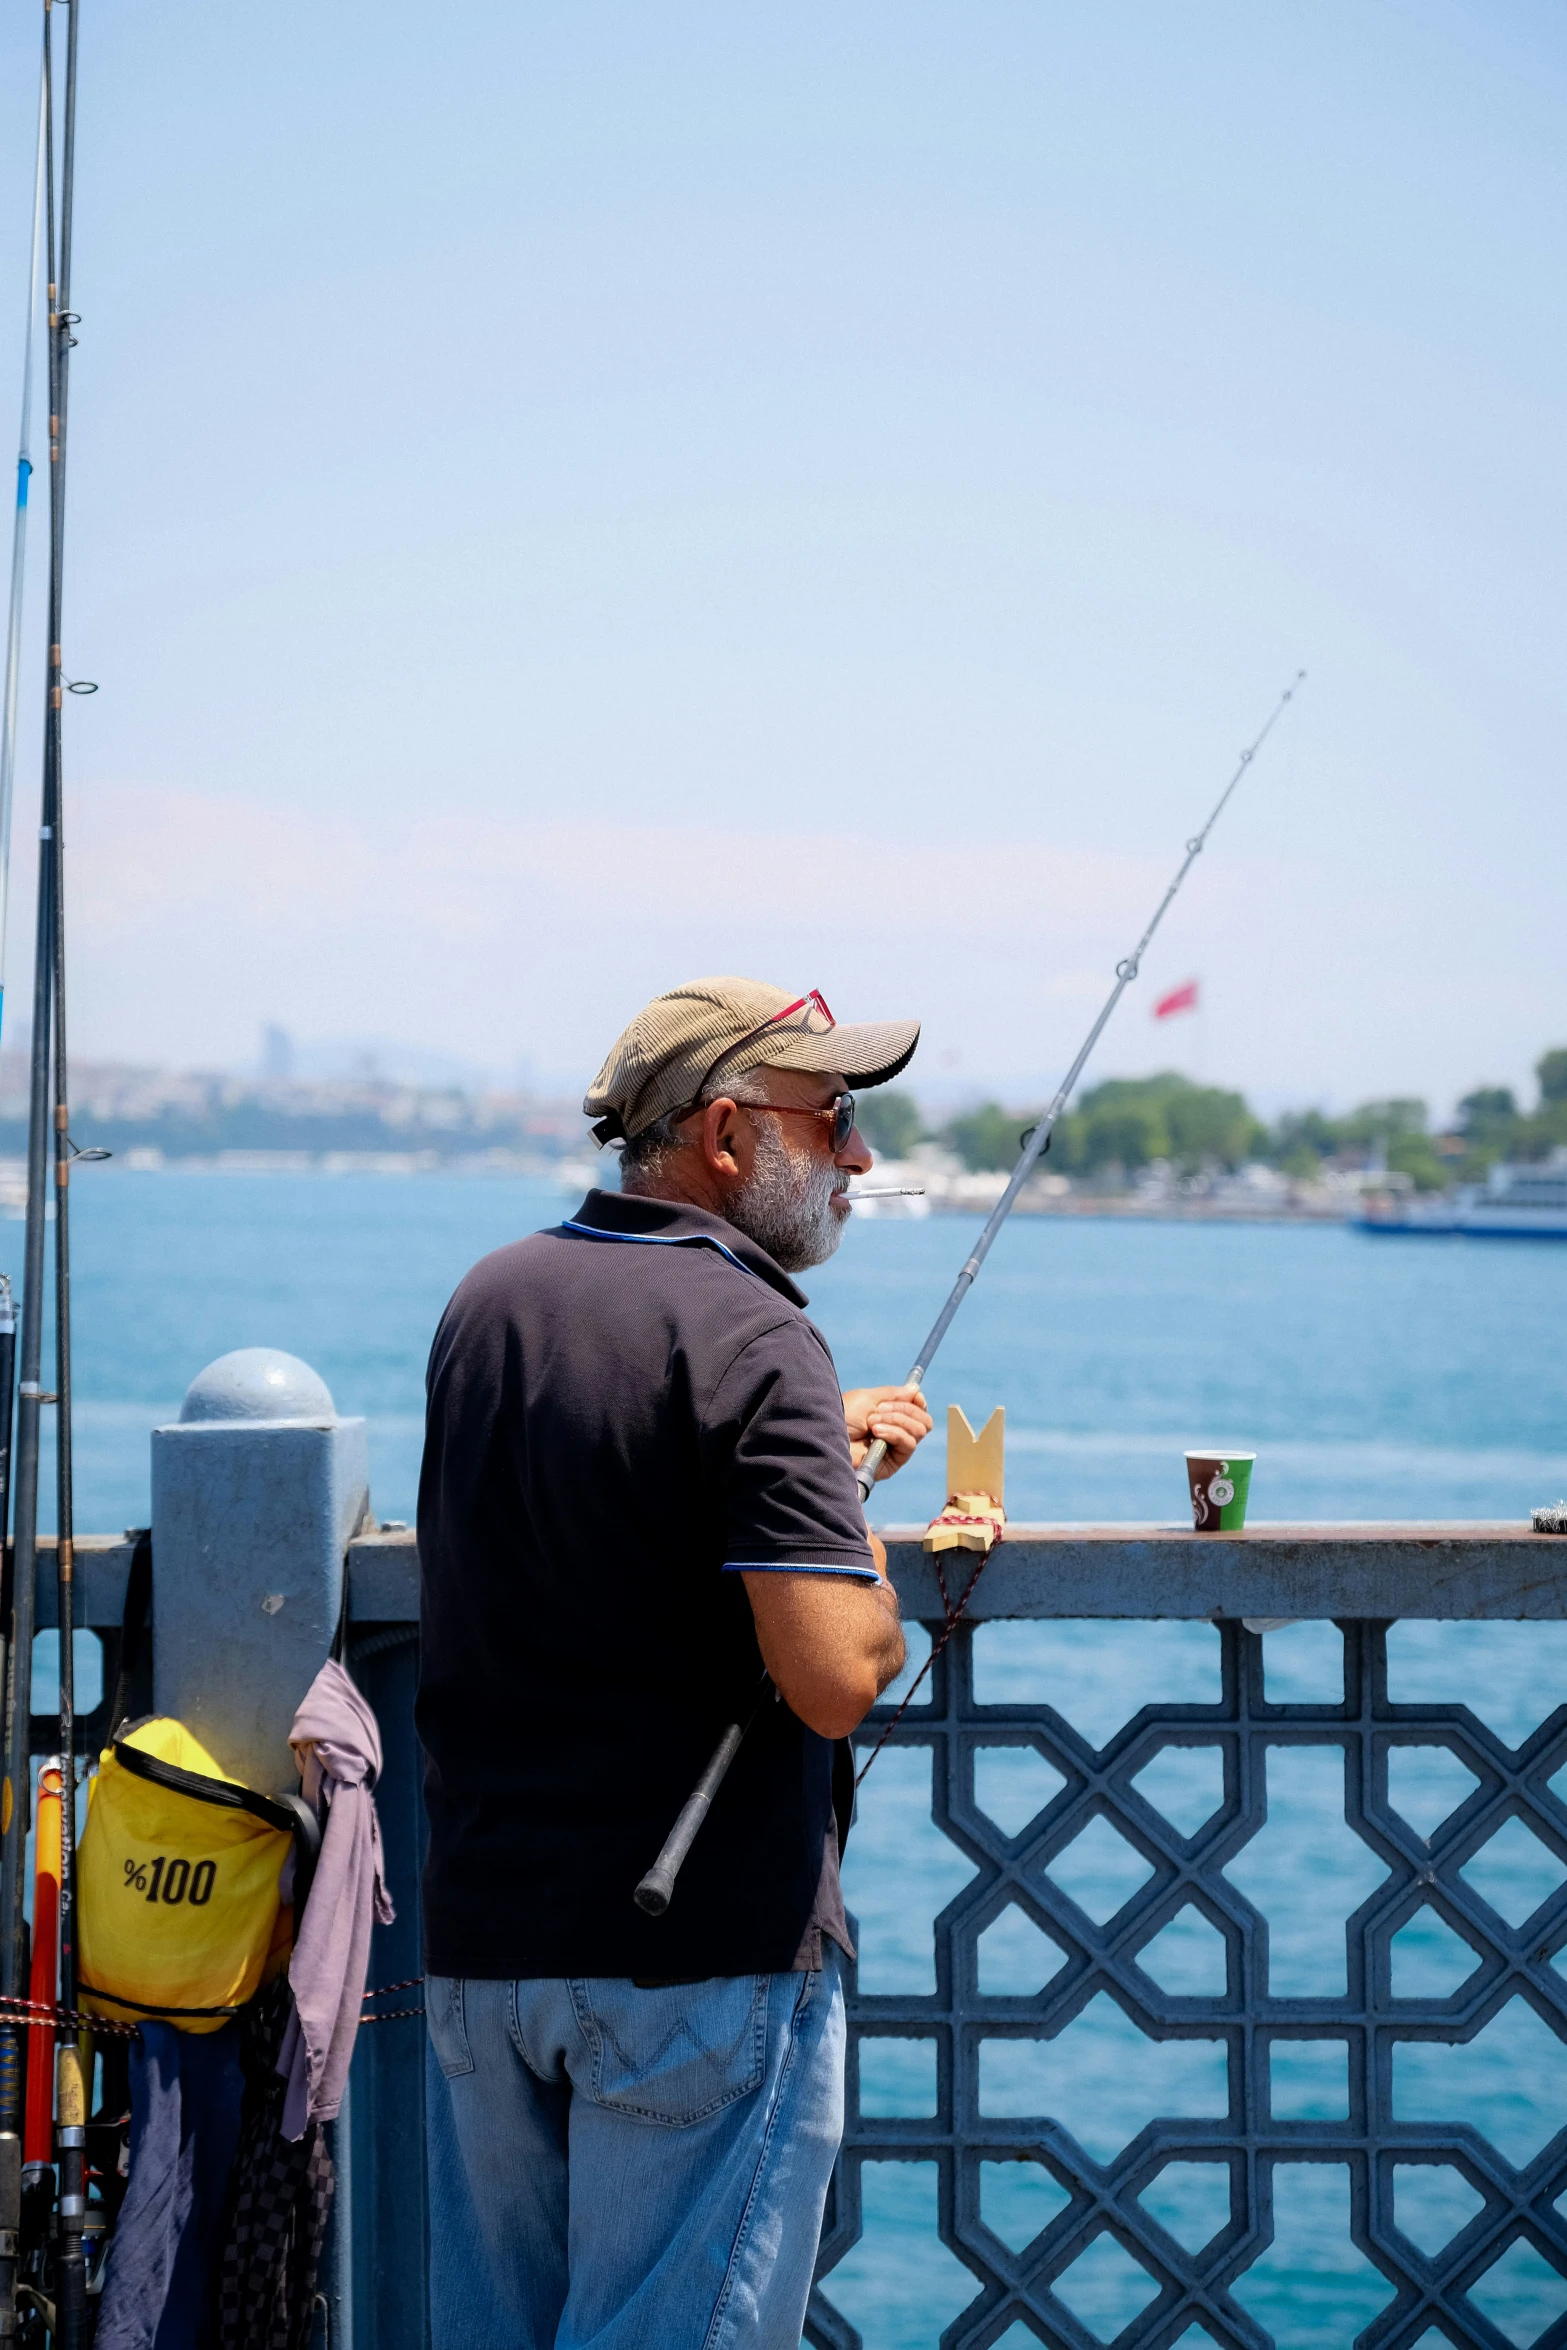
1179	999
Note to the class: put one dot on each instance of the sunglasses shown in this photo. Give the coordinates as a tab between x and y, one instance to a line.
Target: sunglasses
839	1115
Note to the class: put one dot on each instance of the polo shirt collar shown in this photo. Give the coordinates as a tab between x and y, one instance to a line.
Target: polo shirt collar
627	1217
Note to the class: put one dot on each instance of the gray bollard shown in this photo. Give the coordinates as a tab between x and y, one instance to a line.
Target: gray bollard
256	1492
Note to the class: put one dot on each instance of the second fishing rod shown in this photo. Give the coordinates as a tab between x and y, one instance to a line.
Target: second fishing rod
48	1184
656	1889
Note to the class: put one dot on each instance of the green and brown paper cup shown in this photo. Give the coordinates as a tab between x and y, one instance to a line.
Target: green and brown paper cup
1218	1483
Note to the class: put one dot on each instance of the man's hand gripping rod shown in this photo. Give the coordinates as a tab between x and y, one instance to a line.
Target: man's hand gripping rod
653	1894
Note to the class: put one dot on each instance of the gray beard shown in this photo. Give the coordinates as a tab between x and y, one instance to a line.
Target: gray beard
785	1204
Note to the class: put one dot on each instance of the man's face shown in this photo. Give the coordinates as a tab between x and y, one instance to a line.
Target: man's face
790	1201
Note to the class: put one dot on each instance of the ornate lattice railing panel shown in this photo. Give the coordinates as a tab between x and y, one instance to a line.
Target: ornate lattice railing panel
1512	2201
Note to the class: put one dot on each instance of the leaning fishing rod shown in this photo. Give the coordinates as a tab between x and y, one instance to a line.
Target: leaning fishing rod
11	2042
654	1892
49	1123
24	475
70	2095
16	1794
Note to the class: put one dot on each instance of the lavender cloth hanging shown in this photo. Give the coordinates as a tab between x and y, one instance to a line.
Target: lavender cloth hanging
338	1748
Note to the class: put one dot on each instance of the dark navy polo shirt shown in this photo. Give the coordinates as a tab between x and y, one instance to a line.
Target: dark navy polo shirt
623	1412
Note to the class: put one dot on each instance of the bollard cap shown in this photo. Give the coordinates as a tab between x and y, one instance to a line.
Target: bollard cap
257	1383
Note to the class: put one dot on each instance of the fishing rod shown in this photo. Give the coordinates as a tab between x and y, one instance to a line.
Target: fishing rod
70	2095
24	473
654	1892
49	1118
16	1793
1037	1140
11	2075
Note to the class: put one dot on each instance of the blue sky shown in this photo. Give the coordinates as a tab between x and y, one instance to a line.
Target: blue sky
568	497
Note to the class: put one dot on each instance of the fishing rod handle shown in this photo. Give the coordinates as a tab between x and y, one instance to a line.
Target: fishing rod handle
865	1474
657	1888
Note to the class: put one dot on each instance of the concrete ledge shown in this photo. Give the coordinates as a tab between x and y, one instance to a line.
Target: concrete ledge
1471	1569
383	1578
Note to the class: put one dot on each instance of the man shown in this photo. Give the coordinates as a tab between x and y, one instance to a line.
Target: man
637	1493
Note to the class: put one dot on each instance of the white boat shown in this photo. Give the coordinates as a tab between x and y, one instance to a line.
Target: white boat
1514	1203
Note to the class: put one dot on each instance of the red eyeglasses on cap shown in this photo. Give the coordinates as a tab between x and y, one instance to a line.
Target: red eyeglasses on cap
814	1002
839	1114
684	1041
813	1005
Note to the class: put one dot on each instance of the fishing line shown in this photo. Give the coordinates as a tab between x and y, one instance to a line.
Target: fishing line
653	1894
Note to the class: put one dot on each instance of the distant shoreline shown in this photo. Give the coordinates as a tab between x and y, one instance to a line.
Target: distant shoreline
575	1176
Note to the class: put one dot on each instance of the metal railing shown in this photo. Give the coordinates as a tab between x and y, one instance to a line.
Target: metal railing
1362	1577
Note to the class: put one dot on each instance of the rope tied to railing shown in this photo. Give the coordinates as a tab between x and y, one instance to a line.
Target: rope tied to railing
392	2015
28	2011
954	1616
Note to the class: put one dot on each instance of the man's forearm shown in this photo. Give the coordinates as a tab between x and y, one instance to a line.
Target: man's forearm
894	1652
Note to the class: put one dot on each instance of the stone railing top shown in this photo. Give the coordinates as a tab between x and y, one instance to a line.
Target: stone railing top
1379	1567
1469	1568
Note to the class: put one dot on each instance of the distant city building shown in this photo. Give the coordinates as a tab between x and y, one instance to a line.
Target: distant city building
169	1115
277	1053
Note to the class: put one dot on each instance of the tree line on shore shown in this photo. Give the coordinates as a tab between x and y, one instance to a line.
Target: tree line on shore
1126	1123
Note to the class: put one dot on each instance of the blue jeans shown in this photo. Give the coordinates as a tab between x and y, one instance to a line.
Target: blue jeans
644	2169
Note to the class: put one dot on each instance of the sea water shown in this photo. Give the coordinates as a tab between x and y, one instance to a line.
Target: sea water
1374	1377
1393	1378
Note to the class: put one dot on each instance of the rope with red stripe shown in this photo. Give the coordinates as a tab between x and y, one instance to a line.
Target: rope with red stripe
28	2011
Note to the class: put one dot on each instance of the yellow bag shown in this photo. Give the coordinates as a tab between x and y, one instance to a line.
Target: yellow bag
177	1883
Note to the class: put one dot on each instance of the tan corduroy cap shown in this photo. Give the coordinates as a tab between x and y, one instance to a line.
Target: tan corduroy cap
663	1060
